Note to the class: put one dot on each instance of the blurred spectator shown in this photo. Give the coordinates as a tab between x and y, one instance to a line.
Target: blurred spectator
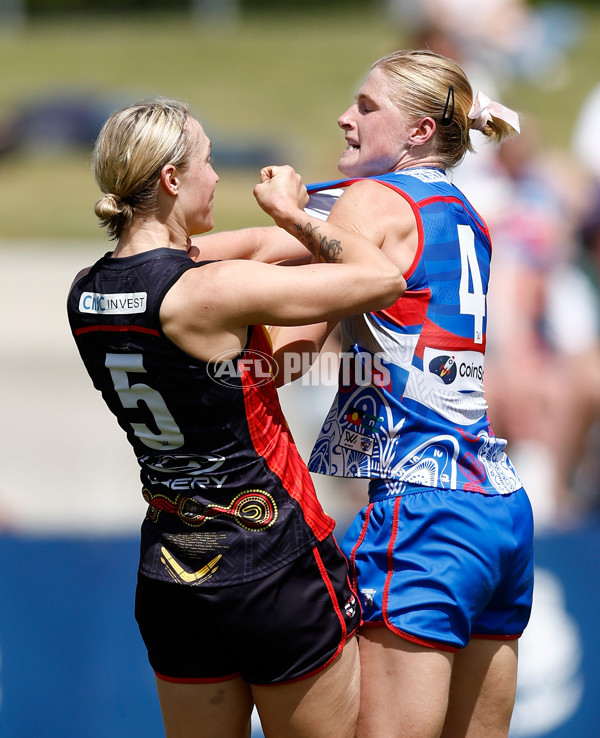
587	474
543	331
508	36
586	147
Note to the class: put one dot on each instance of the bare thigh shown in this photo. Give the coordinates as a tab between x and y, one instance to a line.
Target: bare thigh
322	706
482	690
216	710
404	687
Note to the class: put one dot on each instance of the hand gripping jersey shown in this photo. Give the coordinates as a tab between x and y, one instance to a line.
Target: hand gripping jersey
410	405
229	499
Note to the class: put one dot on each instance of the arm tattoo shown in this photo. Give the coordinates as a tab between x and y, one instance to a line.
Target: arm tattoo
319	246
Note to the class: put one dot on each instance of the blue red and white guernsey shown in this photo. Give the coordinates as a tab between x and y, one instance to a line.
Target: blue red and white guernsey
410	406
229	498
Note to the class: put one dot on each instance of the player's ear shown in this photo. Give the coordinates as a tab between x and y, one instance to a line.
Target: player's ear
169	179
422	131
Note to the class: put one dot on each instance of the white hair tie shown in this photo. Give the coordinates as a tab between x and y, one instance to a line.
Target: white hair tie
484	108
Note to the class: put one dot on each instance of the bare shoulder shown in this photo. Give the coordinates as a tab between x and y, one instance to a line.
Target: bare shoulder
375	200
198	286
370	190
382	215
211	291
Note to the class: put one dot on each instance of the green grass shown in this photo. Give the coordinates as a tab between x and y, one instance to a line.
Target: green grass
282	79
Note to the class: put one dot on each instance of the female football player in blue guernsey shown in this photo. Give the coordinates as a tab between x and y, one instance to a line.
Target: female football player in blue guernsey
442	554
243	596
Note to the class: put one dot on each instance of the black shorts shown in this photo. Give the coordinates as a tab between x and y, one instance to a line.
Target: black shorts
285	626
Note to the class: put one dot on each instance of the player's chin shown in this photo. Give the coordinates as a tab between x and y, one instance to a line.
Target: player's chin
207	224
354	162
348	164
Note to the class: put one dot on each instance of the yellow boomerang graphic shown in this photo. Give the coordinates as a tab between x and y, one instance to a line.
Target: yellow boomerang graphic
193	577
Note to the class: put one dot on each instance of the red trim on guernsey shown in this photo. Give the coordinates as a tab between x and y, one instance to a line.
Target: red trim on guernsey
468	436
409	310
186	680
436	198
273	440
116	329
409	200
440	198
433	336
420	237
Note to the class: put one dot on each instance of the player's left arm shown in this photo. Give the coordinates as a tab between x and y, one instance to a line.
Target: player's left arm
386	219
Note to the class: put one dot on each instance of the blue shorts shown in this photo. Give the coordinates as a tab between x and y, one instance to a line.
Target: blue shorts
439	567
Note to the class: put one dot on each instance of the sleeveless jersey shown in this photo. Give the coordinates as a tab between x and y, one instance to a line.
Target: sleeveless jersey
410	405
229	498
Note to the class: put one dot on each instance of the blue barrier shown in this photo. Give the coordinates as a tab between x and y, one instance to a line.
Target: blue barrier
72	662
559	673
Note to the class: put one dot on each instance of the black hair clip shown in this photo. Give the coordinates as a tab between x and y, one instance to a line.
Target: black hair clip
449	108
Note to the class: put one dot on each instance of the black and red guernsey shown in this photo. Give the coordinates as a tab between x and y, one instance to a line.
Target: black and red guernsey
229	498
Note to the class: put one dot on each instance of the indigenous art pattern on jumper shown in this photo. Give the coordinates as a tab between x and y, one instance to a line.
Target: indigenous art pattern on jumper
413	408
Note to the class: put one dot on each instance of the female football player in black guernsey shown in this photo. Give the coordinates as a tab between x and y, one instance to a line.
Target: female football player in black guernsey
243	596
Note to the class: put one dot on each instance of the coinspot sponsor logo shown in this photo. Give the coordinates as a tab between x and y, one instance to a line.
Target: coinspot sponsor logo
253	367
460	370
444	367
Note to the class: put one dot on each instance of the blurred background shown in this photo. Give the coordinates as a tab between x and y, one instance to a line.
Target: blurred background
268	79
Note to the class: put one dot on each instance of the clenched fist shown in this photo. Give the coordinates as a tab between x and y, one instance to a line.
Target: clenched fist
280	192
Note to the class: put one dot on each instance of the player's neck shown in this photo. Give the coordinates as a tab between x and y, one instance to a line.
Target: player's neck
148	236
